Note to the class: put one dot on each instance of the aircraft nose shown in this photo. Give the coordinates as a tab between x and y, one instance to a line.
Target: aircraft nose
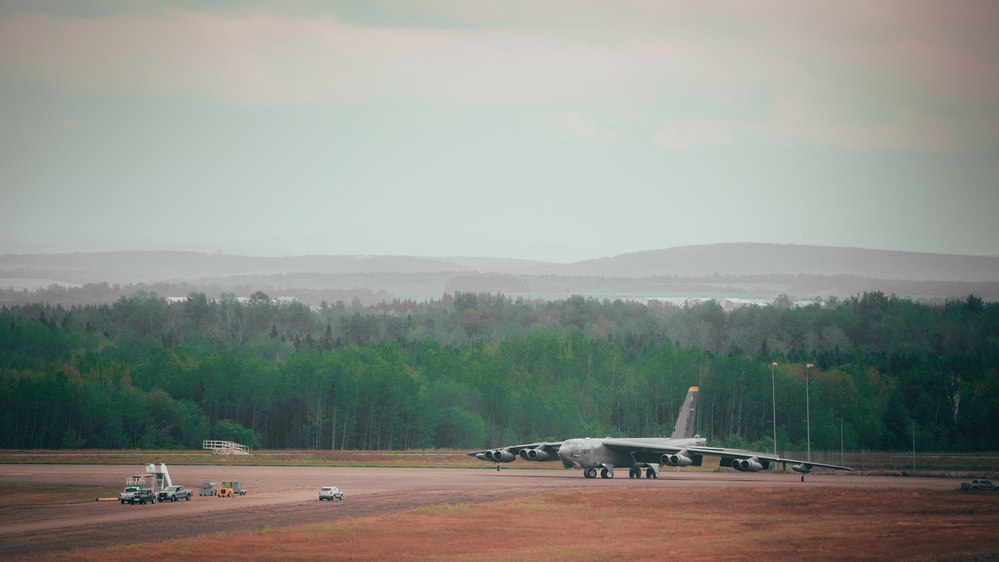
564	454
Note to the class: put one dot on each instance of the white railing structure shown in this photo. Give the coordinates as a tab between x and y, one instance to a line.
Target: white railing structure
225	447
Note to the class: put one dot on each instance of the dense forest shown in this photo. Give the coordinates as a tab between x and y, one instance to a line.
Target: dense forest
476	369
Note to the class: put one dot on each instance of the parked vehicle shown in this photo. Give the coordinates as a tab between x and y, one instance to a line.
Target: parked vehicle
174	493
154	479
208	488
229	489
133	495
984	485
144	496
330	493
127	494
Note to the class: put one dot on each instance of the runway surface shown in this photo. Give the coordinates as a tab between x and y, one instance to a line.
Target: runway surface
283	496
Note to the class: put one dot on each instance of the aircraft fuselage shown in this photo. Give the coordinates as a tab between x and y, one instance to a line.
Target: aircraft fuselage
601	453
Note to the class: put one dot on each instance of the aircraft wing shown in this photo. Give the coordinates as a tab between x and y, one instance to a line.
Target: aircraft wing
728	455
739	459
542	451
549	446
656	451
630	446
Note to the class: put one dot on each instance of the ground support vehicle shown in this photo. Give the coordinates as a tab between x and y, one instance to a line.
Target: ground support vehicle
133	495
230	489
143	482
174	493
208	488
330	493
977	484
139	489
153	481
127	494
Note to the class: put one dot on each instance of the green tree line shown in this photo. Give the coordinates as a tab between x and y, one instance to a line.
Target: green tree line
475	370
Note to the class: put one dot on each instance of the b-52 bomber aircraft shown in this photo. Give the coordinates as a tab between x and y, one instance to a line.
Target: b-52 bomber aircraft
682	448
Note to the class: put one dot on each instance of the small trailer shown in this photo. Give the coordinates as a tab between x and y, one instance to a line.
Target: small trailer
208	488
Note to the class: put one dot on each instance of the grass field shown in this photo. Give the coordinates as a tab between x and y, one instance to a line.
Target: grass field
25	496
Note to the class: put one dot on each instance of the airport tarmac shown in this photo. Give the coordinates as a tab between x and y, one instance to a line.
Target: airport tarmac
285	496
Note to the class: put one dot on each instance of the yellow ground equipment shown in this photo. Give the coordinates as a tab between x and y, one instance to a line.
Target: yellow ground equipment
225	490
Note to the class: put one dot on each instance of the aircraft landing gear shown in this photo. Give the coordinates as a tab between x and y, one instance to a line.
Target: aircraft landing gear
604	473
802	477
497	468
649	473
634	472
590	473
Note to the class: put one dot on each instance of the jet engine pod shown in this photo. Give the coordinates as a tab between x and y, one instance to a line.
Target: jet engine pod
802	468
500	455
537	455
747	465
676	459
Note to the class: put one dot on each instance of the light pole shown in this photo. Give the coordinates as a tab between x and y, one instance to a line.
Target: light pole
913	445
841	443
773	390
808	415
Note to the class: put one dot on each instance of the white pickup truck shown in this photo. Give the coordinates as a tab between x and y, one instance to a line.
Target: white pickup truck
984	485
134	495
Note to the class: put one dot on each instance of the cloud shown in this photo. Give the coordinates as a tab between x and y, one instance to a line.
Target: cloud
866	66
568	125
807	121
263	58
678	137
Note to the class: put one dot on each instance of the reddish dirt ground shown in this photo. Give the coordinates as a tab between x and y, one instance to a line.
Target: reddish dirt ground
485	514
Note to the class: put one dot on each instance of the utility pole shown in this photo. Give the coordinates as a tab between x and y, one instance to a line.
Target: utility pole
773	390
808	415
841	463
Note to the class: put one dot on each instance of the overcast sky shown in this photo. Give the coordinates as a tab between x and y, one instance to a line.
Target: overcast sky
553	130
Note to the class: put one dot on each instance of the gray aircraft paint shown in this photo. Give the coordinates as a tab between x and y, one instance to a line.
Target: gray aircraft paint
683	448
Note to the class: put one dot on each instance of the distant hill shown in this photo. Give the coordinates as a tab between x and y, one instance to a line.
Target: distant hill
145	267
717	270
781	259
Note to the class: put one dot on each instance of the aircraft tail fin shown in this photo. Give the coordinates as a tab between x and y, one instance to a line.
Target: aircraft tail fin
685	421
